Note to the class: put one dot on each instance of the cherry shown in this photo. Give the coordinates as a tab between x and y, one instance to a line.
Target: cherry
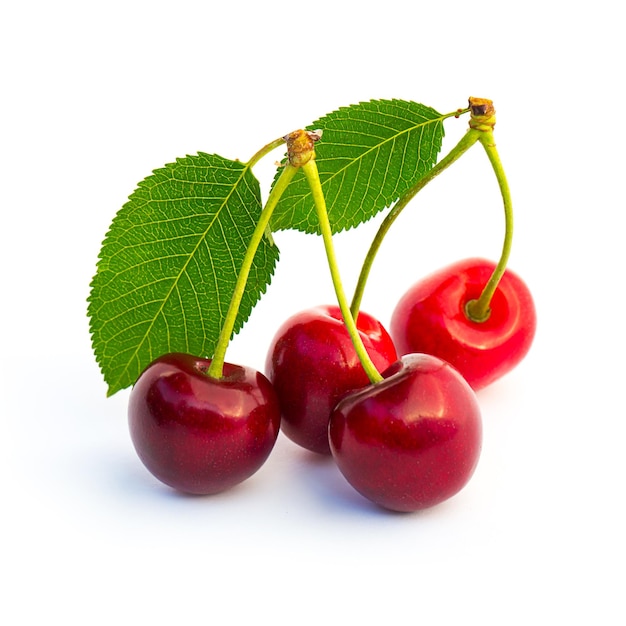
412	440
432	317
200	434
312	363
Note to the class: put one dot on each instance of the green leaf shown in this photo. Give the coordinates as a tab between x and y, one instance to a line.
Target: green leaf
369	155
169	263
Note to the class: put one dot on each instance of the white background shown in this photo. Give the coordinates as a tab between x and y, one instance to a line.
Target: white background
93	96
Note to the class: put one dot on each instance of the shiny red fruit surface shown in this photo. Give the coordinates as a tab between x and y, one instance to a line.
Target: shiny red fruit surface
412	440
199	434
431	318
312	364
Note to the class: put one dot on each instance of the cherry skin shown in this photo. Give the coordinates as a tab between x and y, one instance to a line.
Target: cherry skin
312	363
199	434
412	440
431	318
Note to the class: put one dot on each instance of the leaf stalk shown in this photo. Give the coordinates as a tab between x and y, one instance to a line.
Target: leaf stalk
265	150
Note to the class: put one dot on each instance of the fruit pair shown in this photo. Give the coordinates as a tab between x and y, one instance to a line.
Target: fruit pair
407	442
202	435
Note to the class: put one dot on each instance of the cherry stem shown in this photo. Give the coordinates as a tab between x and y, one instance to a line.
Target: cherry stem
466	142
312	175
478	310
482	122
217	363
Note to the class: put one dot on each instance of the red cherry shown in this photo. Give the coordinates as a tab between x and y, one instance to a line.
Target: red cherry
412	440
312	364
200	434
431	318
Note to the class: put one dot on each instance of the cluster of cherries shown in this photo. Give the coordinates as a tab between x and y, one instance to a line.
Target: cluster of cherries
407	441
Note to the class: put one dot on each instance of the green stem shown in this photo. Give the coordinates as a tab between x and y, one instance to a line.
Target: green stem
265	150
466	142
312	175
217	363
478	310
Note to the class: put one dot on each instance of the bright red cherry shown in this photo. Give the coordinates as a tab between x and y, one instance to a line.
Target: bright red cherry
312	364
431	318
412	440
200	434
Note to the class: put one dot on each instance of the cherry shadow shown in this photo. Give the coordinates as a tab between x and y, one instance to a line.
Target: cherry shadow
127	478
321	478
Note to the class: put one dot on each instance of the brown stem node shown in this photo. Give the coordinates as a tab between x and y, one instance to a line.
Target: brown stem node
300	146
482	114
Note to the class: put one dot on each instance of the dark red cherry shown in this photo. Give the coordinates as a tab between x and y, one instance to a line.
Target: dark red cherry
200	434
312	364
412	440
